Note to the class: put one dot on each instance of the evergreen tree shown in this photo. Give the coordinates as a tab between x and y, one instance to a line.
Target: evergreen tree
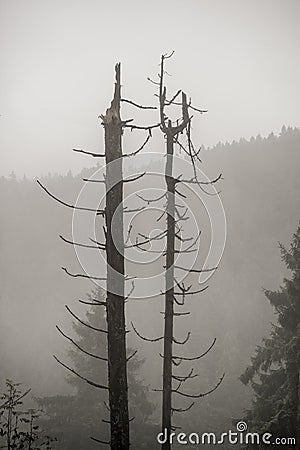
274	369
75	418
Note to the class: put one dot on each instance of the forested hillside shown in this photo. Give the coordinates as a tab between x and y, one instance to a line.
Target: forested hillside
260	193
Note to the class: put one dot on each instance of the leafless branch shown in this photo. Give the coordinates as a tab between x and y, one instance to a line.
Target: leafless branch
147	240
193	243
128	180
84	323
92	303
130	291
124	100
178	314
100	442
127	210
181	239
184	341
139	127
92	383
180	193
78	346
151	200
152	81
186	377
186	358
98	247
174	428
80	208
81	275
195	270
193	181
191	292
144	338
95	155
170	102
128	155
180	410
132	355
91	180
203	394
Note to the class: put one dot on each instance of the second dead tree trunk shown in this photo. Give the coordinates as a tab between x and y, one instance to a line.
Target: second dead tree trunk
172	233
170	133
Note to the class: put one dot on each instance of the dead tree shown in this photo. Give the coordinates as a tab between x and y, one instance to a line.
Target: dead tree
116	327
115	275
175	292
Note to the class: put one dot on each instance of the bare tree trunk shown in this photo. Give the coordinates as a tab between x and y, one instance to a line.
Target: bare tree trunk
172	133
169	296
117	363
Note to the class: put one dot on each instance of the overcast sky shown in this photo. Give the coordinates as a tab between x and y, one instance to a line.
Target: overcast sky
237	58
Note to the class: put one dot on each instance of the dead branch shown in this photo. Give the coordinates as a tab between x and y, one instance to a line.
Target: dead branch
128	155
91	180
203	394
80	208
184	341
95	155
144	338
92	303
193	181
181	314
124	100
195	270
137	177
78	346
81	275
127	210
192	292
147	240
139	127
132	355
100	442
174	428
151	200
92	383
130	291
84	323
186	358
180	410
186	377
98	247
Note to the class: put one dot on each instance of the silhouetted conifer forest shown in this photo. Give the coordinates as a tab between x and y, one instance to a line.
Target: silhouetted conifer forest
260	193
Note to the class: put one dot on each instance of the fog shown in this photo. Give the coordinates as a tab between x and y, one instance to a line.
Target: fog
236	58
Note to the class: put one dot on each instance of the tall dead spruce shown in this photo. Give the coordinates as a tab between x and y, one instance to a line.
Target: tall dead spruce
116	278
176	292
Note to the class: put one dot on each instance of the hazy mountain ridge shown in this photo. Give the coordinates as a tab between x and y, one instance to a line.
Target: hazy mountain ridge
262	206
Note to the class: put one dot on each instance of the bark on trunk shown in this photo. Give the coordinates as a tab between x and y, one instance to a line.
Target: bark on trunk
169	296
117	363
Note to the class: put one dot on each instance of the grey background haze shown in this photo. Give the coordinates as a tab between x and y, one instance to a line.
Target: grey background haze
239	59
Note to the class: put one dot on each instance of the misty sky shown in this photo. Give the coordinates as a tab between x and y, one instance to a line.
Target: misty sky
237	58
